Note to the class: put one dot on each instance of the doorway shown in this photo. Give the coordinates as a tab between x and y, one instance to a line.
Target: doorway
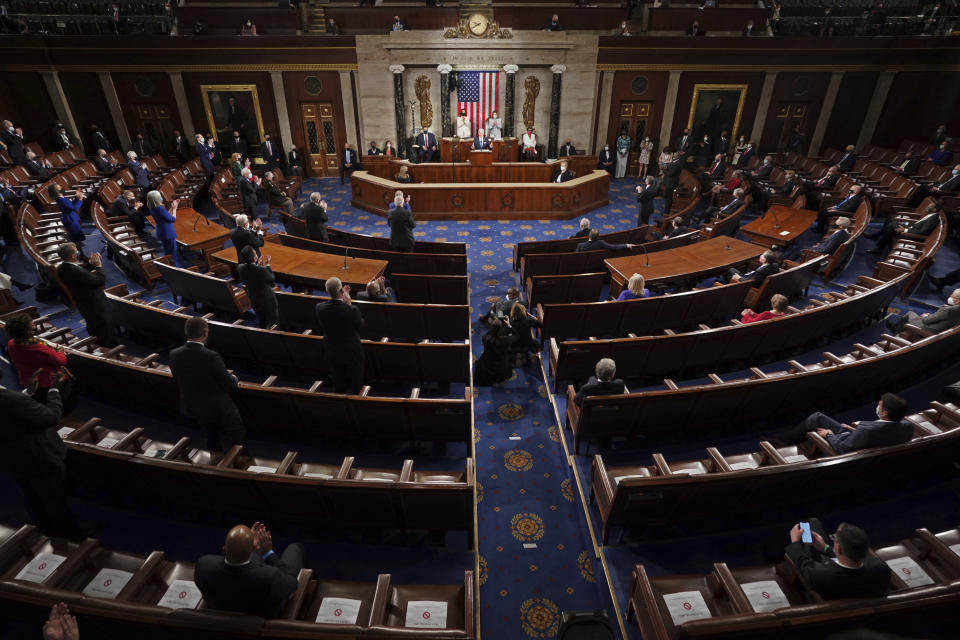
154	122
320	144
635	120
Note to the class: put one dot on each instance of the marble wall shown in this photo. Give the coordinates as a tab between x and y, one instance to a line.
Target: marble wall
533	51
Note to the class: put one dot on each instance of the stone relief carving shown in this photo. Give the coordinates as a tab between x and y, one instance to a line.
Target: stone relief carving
462	31
422	86
532	85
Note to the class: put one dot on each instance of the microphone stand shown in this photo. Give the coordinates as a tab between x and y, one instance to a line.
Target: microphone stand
346	252
646	255
197	221
776	220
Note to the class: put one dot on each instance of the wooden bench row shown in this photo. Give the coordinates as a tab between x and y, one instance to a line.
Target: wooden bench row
719	486
912	255
127	248
451	264
305	352
725	405
142	608
342	494
40	235
636	235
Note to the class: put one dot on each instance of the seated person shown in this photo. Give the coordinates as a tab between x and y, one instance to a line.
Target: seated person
126	205
946	317
847	205
789	183
602	384
103	163
707	205
501	308
845	570
769	265
908	166
37	168
939	157
677	227
563	173
764	170
377	291
373	150
495	364
594	243
521	325
250	577
950	185
403	176
584	230
635	289
778	306
892	228
735	181
831	242
888	429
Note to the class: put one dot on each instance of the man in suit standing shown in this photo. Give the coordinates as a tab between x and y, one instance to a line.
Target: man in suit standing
61	138
671	178
684	142
400	219
14	142
33	453
946	317
480	141
99	140
562	174
142	148
205	153
602	384
250	577
722	144
768	266
847	205
239	145
256	274
341	323
127	206
646	192
427	143
205	386
248	192
270	152
277	196
922	227
85	283
140	176
294	161
180	147
594	243
747	155
348	161
845	570
848	159
246	235
315	215
567	149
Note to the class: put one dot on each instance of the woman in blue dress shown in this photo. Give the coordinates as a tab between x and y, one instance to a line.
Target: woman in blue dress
69	214
163	222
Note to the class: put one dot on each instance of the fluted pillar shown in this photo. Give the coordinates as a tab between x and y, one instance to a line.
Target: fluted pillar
509	93
399	108
557	70
446	126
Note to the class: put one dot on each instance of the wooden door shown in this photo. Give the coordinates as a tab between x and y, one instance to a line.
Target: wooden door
789	115
320	146
154	122
635	120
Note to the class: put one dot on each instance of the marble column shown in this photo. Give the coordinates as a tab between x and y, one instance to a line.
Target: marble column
879	100
346	102
60	104
183	107
446	125
669	110
509	91
283	117
553	143
113	104
766	95
829	100
399	108
603	119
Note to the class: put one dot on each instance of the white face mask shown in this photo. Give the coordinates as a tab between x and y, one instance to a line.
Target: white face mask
951	301
878	412
955	172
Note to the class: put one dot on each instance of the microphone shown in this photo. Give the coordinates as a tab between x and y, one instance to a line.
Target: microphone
197	221
346	252
776	224
645	255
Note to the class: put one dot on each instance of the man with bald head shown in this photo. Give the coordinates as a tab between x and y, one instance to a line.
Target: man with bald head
250	577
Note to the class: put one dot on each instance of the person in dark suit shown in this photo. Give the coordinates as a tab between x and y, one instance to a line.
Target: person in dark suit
238	144
605	160
584	229
602	384
671	178
373	149
501	308
427	143
567	149
495	364
694	28
205	386
747	155
103	163
892	228
248	192
833	241
256	274
521	326
594	243
99	140
848	159
845	570
315	215
400	219
768	265
348	162
888	429
61	138
716	169
181	148
270	152
377	291
85	283
562	174
848	205
276	196
909	165
32	452
950	185
826	182
341	323
246	234
646	192
140	176
946	317
764	170
704	153
683	142
205	153
294	161
37	168
677	227
727	209
250	577
141	147
14	143
127	206
481	141
722	144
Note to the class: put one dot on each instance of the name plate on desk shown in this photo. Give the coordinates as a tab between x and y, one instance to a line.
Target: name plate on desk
40	567
182	594
338	611
107	583
909	571
685	606
765	595
425	614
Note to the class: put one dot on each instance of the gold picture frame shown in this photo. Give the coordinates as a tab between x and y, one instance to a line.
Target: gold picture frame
216	104
704	96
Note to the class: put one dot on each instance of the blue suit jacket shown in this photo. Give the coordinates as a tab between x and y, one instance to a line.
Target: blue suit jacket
203	152
832	243
163	220
875	433
70	216
140	177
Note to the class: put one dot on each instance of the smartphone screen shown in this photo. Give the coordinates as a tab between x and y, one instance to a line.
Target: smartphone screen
806	537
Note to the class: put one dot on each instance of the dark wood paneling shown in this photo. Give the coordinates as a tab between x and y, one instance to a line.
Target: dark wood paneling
807	89
146	88
919	102
712	20
849	109
221	21
24	101
379	19
88	105
754	82
623	92
193	81
296	93
571	18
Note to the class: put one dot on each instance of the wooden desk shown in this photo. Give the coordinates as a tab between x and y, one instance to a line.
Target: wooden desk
310	269
779	226
504	150
195	232
683	265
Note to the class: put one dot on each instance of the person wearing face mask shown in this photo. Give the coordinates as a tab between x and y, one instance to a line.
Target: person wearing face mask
888	429
605	160
946	317
704	154
646	148
494	126
747	154
238	144
941	156
142	148
270	152
951	184
528	148
388	150
848	205
623	153
563	174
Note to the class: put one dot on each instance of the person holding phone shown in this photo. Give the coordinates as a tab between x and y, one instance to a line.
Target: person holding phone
842	568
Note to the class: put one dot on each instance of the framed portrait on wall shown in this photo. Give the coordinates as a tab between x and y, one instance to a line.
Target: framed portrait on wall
716	108
233	107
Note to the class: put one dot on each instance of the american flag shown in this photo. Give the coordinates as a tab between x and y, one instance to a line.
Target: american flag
477	94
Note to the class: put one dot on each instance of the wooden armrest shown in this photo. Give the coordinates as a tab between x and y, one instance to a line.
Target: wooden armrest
820	443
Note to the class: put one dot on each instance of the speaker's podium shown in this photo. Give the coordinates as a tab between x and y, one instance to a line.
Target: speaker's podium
482	158
463	151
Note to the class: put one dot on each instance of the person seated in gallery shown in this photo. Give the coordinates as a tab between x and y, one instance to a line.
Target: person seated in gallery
603	383
635	288
377	291
584	229
594	243
778	307
403	175
528	145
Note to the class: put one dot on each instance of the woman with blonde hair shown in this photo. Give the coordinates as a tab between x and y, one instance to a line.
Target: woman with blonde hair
778	306
635	289
237	165
404	176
